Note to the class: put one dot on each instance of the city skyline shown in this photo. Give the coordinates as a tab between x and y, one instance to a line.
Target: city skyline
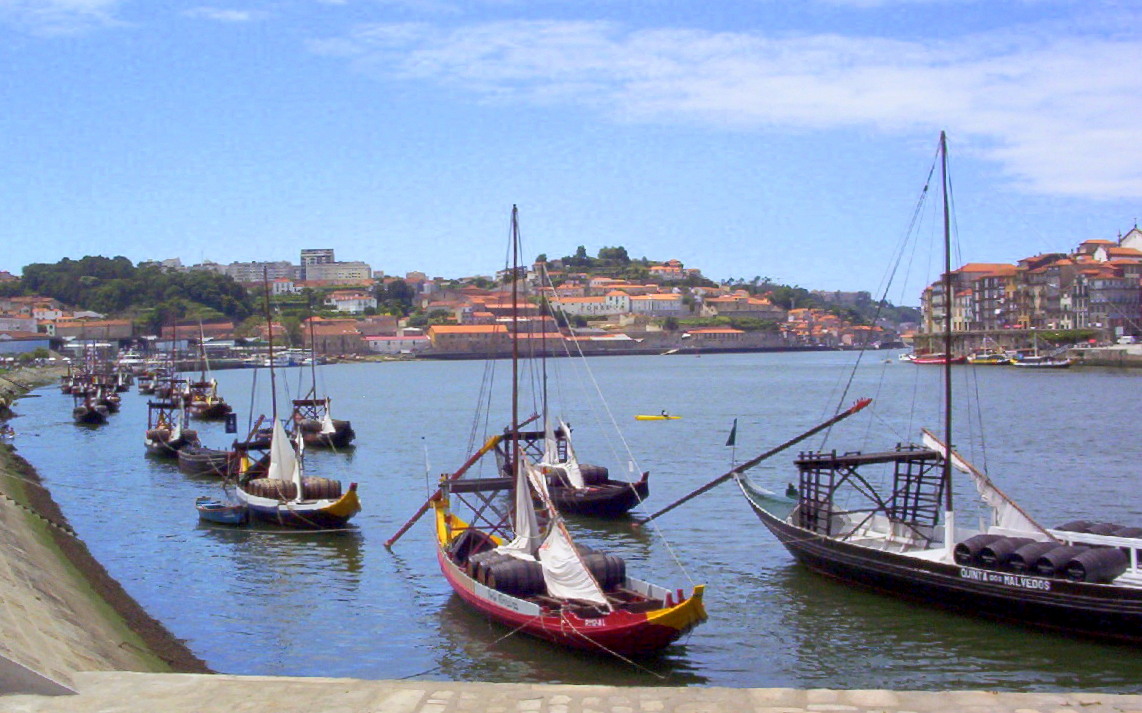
744	138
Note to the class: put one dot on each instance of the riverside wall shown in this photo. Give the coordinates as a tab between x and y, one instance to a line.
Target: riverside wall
60	612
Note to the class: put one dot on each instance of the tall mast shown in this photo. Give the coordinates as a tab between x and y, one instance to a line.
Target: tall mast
270	329
947	336
515	341
312	353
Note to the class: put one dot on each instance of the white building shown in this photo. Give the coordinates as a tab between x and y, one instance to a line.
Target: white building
351	301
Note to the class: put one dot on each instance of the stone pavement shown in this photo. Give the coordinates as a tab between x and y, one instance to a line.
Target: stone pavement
121	692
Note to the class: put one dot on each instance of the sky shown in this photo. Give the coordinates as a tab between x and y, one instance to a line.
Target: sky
779	139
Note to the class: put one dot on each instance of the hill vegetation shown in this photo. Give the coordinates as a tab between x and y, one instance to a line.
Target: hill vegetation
148	294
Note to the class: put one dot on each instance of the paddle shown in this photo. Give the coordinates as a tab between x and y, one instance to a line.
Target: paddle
751	463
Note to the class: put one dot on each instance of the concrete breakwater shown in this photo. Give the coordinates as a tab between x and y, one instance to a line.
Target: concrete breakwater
60	612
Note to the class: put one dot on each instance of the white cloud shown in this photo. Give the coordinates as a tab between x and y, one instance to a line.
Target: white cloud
1060	114
223	15
58	17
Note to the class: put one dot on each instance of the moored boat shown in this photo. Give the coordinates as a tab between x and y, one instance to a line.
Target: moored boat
166	432
198	460
221	512
900	532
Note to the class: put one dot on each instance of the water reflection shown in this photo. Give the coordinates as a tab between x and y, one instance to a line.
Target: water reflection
477	649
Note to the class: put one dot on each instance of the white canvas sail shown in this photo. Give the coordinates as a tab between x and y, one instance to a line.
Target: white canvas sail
570	464
284	464
1007	514
327	426
564	572
527	534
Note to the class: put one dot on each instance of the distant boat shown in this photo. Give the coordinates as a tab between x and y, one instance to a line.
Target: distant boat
167	431
1044	361
938	359
198	460
221	512
989	359
87	411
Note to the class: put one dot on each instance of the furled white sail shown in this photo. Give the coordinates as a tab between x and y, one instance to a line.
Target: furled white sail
527	533
571	465
564	572
327	426
551	459
1007	514
284	464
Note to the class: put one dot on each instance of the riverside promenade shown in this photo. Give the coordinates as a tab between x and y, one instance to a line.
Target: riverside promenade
73	641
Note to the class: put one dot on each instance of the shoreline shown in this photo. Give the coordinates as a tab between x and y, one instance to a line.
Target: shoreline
53	572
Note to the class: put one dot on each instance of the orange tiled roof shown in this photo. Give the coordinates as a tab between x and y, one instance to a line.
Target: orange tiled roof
468	328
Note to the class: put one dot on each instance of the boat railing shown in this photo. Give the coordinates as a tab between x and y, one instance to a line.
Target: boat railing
1130	545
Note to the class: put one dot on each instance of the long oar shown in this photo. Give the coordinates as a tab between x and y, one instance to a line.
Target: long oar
751	463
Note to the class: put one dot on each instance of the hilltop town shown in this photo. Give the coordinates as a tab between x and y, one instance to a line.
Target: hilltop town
604	304
1092	294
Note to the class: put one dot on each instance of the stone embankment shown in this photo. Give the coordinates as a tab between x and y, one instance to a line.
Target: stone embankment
72	641
60	612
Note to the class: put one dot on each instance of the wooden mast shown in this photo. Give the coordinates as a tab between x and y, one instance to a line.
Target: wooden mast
515	341
949	519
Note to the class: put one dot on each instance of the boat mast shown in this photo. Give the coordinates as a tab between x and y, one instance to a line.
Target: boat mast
515	341
312	354
270	354
949	522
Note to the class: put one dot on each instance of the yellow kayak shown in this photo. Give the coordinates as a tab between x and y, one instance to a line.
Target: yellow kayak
656	417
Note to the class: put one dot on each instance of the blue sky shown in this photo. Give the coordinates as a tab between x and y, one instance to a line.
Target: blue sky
776	138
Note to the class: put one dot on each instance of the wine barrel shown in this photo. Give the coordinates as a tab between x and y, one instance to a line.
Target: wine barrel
1075	526
519	578
995	555
1128	532
610	571
594	474
1103	528
967	552
1024	558
1053	562
1097	564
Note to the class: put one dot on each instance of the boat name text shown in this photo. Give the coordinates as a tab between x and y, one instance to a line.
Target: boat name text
1007	580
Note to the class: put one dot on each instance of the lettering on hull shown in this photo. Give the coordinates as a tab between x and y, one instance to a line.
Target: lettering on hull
1015	581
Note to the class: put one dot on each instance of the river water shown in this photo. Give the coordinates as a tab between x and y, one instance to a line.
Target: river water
1062	443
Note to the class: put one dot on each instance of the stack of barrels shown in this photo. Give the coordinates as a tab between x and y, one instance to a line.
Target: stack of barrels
524	578
1050	559
312	488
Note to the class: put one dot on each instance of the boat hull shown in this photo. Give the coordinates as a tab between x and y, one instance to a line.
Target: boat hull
306	514
220	513
625	633
159	444
201	461
209	411
610	498
1094	610
341	437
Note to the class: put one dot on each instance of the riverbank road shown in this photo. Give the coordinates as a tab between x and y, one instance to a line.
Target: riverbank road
206	693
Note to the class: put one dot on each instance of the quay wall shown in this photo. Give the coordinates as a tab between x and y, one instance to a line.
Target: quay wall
60	612
1127	356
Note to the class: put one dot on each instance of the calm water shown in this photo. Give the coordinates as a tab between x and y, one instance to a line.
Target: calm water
1063	444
